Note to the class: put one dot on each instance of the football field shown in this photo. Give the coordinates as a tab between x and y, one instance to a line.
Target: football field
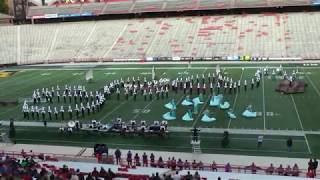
279	115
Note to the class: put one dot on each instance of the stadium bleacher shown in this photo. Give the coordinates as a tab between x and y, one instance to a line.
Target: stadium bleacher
273	35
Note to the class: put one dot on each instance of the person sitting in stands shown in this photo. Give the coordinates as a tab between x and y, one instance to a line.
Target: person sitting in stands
295	170
214	166
111	174
200	165
129	158
188	176
173	164
144	160
280	170
65	169
180	164
152	162
194	164
270	169
160	162
186	165
168	163
137	160
95	173
102	173
196	176
227	168
89	177
253	168
287	171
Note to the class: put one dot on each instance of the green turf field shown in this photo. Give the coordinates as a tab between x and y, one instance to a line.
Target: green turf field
277	112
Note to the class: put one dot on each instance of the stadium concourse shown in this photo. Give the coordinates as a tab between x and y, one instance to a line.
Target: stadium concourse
263	35
54	158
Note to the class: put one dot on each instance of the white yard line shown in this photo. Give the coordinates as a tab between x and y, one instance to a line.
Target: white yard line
204	105
115	109
263	104
313	85
298	115
235	101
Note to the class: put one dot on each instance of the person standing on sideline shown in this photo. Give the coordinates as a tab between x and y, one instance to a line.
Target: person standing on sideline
117	153
315	166
289	144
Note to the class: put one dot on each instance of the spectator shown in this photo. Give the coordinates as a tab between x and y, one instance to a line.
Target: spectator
129	158
315	166
176	176
168	177
157	177
289	144
270	169
152	162
196	176
186	165
111	174
188	176
280	170
137	160
214	166
194	164
253	168
95	173
173	164
295	170
180	164
219	178
287	171
102	173
227	168
160	163
117	153
144	160
168	163
310	165
74	176
200	165
89	177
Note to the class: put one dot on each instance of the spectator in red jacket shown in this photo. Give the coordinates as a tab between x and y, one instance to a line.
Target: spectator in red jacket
310	165
287	171
103	172
160	162
136	160
173	164
144	160
270	169
152	161
186	165
295	170
180	164
95	173
200	165
168	163
194	164
214	166
253	168
280	170
227	168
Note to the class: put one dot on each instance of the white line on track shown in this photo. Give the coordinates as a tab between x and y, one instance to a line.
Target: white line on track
298	115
